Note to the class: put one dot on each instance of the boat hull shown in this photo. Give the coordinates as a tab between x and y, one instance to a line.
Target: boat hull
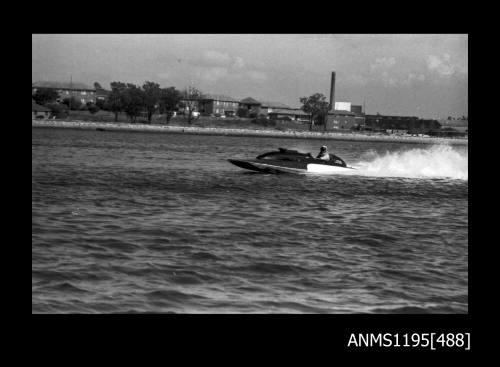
288	167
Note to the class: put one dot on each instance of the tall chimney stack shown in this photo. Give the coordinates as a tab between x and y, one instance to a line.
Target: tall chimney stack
332	92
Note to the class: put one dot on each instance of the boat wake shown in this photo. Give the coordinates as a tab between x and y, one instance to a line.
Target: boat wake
439	161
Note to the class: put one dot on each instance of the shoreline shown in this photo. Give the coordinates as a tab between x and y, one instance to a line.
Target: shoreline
86	125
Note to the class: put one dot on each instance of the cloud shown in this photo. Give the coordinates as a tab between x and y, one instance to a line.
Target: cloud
215	58
382	69
216	74
220	59
354	79
229	64
412	77
164	75
445	66
256	75
214	66
382	63
238	63
212	74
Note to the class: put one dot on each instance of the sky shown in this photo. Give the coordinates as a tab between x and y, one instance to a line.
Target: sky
424	75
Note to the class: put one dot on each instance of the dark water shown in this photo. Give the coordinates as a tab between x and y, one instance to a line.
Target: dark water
141	222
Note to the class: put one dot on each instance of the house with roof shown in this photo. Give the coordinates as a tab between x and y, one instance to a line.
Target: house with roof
268	107
80	91
251	104
38	111
295	114
218	104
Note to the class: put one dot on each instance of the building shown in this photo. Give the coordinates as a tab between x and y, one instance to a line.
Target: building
391	122
269	107
252	105
294	114
39	112
394	124
101	94
186	103
342	120
461	125
397	131
80	91
217	104
343	106
357	109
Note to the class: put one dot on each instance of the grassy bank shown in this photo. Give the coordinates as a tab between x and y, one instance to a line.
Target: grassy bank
261	131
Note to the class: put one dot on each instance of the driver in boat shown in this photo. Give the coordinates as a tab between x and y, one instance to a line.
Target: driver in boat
323	154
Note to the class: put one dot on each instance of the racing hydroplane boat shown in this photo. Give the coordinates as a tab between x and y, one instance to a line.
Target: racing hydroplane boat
292	161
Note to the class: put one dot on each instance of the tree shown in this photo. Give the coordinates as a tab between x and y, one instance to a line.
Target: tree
152	93
72	103
133	101
242	112
101	104
115	102
97	86
316	106
169	100
44	96
93	108
321	117
58	110
190	97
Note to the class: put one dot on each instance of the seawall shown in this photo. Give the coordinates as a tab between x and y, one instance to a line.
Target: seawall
244	132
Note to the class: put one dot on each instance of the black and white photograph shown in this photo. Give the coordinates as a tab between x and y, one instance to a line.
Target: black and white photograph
245	173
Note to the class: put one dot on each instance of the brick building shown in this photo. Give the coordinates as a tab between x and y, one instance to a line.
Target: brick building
80	91
217	104
357	109
338	120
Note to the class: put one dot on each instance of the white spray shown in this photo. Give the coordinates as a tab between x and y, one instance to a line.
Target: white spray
438	161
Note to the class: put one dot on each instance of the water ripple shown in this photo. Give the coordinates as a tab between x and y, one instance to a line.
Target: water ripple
126	222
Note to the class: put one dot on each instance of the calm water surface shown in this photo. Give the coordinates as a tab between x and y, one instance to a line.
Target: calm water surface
144	222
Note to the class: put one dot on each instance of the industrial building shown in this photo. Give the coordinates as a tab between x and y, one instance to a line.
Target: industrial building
357	109
400	124
344	114
342	117
343	120
342	106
